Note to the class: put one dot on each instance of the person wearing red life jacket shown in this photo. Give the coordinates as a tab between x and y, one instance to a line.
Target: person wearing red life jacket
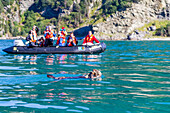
72	41
61	39
63	31
48	34
89	39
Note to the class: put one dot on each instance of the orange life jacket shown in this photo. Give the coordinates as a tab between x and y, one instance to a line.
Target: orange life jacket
32	39
49	34
58	40
73	39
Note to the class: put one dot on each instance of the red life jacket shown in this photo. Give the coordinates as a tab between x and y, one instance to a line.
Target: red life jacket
90	39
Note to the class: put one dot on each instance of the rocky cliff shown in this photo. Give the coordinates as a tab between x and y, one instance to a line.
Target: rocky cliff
25	5
10	14
118	26
82	16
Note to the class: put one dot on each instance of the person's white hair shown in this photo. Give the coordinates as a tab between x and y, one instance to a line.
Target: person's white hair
34	27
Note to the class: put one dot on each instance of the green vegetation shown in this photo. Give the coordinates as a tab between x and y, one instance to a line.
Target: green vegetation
111	6
1	6
29	19
162	28
80	14
54	3
163	31
5	3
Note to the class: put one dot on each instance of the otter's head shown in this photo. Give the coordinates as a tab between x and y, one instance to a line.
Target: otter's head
95	74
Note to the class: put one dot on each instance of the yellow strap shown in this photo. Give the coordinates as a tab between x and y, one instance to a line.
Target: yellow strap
89	38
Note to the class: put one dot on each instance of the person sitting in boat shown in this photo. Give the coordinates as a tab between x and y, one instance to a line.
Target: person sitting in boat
63	31
94	74
52	35
35	30
89	39
30	39
55	34
72	41
41	42
48	34
61	38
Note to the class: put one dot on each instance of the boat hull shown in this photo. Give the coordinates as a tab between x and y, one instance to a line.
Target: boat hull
95	49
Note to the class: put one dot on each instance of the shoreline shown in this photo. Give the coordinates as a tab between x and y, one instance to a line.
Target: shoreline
11	38
143	39
153	39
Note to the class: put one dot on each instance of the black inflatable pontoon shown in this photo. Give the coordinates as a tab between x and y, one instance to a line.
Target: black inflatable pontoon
95	49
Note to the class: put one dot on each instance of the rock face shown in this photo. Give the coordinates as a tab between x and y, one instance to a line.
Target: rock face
25	5
119	25
10	12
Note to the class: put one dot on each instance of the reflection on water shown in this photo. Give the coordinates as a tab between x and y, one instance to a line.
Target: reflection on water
50	60
58	59
136	79
62	59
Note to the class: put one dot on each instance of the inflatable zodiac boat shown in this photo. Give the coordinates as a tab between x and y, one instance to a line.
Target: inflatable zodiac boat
81	49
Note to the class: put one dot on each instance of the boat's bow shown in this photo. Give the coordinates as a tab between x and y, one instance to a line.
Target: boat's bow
9	49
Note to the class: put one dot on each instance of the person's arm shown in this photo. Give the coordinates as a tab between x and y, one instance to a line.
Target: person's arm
67	44
85	40
94	38
37	29
28	38
74	44
58	40
65	32
76	41
51	34
54	34
45	33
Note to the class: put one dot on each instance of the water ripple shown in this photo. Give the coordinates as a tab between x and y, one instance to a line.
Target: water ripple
136	79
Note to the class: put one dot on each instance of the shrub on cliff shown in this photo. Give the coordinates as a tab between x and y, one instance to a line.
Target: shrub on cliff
76	7
7	2
168	29
163	31
1	7
15	32
111	6
136	1
53	3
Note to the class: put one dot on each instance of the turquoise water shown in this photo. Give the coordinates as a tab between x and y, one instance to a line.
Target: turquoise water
136	80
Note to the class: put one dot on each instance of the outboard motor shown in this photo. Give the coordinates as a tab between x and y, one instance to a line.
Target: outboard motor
18	43
103	46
